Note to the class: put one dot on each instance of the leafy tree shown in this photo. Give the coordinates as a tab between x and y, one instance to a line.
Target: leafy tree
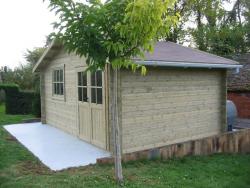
214	30
22	75
111	33
211	11
183	10
32	56
246	14
239	17
218	31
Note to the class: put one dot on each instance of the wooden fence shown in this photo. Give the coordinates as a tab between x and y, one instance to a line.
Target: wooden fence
230	142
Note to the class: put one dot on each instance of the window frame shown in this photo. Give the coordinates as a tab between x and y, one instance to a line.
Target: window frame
82	87
96	88
89	88
59	82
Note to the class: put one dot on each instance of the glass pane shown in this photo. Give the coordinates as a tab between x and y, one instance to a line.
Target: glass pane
61	88
57	88
79	78
61	75
93	95
80	94
84	79
99	95
99	78
57	76
54	76
85	96
93	79
54	88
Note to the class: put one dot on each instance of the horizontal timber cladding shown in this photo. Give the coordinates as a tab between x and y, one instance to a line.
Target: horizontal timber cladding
61	112
170	105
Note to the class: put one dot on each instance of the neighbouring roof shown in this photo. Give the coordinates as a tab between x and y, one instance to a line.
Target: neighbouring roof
165	54
240	81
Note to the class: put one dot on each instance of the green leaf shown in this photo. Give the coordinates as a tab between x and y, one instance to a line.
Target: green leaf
115	30
143	70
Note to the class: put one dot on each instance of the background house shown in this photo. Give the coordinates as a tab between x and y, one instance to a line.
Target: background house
239	87
182	97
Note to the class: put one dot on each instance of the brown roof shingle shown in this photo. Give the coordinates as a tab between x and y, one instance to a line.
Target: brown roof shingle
172	52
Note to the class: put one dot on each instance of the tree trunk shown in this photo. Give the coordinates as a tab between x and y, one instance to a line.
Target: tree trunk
116	129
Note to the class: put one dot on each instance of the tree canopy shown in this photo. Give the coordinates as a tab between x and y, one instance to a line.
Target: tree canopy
114	31
210	27
22	75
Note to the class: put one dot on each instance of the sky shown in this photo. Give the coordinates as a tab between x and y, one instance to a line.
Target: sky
24	24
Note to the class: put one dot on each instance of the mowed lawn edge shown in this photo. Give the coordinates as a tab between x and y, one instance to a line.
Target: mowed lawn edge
19	168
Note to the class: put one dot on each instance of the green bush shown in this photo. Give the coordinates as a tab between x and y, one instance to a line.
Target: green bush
24	102
21	102
2	96
11	98
36	105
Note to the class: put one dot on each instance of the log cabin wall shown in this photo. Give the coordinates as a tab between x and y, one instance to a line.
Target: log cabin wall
169	106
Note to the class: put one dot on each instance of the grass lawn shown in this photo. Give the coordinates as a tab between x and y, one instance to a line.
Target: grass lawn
19	168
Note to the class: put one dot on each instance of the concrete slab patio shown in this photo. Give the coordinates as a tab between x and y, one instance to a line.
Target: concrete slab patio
55	149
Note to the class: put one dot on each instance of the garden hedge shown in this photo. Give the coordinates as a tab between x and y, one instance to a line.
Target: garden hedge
20	102
36	105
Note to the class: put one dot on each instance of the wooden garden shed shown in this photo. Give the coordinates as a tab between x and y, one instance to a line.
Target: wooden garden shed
182	97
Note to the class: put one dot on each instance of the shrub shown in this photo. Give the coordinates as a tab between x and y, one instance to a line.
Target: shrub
21	102
36	105
11	98
24	102
2	96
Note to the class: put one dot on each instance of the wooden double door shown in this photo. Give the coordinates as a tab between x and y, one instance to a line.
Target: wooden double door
91	109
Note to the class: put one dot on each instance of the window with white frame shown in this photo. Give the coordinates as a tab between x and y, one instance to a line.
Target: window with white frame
58	82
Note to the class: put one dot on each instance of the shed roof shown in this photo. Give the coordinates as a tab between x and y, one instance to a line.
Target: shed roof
172	52
165	54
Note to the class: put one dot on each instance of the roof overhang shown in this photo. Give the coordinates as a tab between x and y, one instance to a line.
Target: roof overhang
56	46
189	65
49	54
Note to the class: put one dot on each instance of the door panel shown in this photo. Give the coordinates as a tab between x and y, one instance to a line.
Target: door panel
85	123
92	127
98	128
